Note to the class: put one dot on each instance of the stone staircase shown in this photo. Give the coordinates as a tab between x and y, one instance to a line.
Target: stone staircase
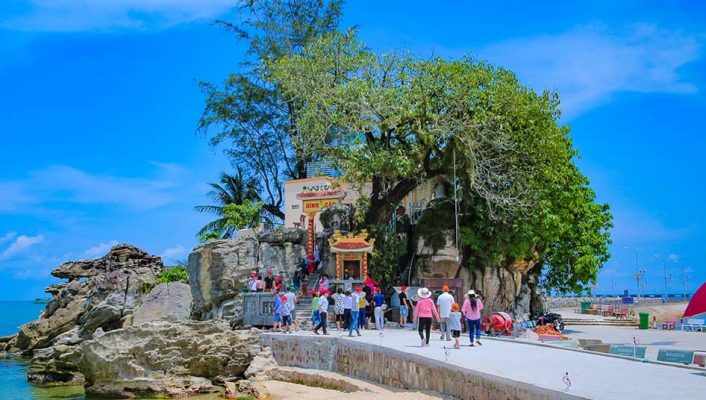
303	309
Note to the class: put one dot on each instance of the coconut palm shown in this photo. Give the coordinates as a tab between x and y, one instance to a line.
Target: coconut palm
232	189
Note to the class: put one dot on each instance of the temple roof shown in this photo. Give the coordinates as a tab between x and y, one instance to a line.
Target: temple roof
351	243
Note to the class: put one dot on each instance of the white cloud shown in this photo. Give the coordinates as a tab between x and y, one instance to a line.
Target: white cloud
61	183
588	65
21	244
99	250
7	236
173	254
102	15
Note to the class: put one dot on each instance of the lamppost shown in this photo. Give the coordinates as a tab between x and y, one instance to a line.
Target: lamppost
637	270
667	277
686	279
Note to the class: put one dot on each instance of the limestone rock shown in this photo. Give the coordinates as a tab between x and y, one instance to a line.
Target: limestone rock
164	357
442	263
218	270
50	367
279	236
246	388
282	259
166	300
262	365
98	293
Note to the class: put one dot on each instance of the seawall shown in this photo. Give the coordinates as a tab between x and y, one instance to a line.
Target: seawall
400	369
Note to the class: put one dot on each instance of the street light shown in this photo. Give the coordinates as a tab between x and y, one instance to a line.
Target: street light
686	279
637	270
667	277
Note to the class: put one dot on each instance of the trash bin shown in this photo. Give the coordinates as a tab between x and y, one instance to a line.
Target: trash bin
644	320
585	305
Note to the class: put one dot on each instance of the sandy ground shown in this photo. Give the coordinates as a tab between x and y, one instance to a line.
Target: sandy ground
284	390
661	311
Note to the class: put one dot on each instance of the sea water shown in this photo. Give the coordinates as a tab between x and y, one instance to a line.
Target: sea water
13	372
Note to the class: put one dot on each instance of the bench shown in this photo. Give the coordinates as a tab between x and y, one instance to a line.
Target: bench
700	359
621	313
606	310
693	324
676	356
669	324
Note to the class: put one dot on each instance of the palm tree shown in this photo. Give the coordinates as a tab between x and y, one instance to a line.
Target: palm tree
232	189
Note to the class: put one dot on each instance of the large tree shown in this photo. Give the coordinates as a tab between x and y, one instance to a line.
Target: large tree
395	120
248	113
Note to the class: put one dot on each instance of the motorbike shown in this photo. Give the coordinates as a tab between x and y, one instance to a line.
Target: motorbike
552	318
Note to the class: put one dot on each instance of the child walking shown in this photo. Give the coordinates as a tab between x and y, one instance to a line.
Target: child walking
455	324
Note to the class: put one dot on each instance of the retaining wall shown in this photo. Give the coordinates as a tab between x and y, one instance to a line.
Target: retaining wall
399	369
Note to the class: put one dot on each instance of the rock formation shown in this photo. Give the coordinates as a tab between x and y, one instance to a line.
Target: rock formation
164	358
218	269
166	300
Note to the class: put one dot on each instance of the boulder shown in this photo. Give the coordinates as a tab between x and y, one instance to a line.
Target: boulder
262	365
218	270
166	300
337	217
286	235
104	316
283	258
246	389
164	358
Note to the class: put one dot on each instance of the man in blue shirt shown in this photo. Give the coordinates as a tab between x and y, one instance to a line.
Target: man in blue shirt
379	301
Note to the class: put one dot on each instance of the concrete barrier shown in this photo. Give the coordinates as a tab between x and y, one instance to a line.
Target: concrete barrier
400	369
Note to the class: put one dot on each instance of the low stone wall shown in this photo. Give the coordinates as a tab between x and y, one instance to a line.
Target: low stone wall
575	302
399	369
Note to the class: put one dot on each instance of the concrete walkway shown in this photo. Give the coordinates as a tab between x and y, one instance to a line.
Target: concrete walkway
592	376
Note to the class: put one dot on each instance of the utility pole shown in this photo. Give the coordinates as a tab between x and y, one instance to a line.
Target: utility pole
637	270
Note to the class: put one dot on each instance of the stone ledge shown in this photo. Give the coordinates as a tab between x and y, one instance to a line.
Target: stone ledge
400	369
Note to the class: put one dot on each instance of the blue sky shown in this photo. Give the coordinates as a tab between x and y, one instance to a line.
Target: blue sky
99	107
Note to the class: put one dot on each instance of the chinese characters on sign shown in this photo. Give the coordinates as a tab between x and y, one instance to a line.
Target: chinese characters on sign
316	205
317	188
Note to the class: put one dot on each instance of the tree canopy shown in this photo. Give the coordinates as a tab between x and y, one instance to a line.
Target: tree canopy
396	120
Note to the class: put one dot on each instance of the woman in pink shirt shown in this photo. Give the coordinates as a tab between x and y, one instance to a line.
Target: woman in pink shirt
471	311
423	312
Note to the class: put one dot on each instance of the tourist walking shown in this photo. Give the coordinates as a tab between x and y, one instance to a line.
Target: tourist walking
315	317
324	283
363	305
323	313
471	309
285	314
455	324
277	311
423	314
404	306
379	311
444	302
292	305
347	306
353	321
338	308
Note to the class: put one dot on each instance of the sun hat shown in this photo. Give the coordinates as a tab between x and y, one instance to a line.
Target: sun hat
445	288
470	292
284	298
424	293
312	292
359	289
403	288
455	307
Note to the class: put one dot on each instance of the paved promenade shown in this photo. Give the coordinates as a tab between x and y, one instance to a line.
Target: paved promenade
592	376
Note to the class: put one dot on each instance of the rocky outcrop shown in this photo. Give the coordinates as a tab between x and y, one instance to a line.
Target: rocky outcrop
218	269
164	358
437	263
166	300
99	294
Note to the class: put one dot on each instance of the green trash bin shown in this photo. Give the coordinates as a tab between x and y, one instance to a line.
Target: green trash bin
585	305
644	320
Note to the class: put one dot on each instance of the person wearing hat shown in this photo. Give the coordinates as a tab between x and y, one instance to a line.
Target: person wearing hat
323	312
278	311
315	317
455	324
269	281
423	314
363	305
285	314
379	311
471	311
444	302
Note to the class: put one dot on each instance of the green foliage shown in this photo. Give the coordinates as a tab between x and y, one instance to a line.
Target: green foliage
178	273
241	216
206	236
389	247
396	120
232	189
248	113
434	222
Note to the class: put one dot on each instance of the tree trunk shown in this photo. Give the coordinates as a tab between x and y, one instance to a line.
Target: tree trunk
382	204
